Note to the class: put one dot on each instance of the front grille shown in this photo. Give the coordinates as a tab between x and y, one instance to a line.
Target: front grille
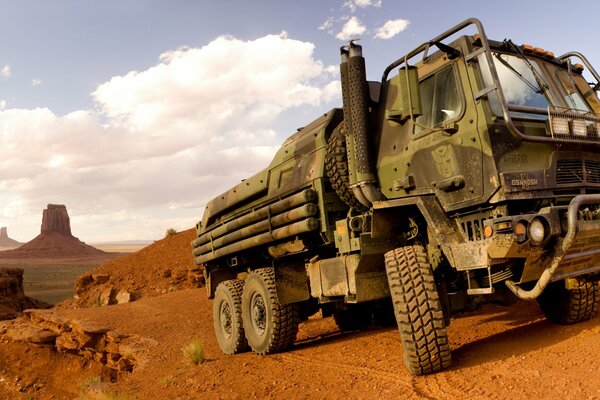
574	171
473	228
592	171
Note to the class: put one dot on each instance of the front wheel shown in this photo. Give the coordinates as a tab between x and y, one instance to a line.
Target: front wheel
418	310
270	326
570	303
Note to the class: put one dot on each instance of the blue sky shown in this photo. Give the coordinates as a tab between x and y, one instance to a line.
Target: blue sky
135	113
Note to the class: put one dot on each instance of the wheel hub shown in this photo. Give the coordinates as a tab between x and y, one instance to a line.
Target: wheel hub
259	314
226	320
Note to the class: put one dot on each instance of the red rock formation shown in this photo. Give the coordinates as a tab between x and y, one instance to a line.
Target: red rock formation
12	298
11	282
56	220
55	239
6	242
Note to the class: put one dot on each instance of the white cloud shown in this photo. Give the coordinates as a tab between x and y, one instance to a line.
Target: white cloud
391	28
351	29
162	141
367	3
5	71
2	104
352	5
327	25
36	82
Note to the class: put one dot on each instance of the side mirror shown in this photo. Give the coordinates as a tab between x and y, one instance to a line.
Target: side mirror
407	102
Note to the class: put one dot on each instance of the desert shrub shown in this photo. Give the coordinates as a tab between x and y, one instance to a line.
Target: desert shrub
93	389
86	384
194	352
166	381
170	232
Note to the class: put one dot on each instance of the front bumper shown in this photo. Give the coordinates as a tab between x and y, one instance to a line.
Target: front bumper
577	253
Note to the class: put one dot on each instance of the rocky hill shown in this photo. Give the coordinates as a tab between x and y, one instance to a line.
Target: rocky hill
55	239
164	266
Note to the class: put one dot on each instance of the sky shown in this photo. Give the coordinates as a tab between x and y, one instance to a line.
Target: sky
134	114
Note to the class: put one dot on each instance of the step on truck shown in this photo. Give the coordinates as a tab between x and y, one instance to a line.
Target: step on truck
469	174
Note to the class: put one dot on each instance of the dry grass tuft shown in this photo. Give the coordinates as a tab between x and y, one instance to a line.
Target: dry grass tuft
194	352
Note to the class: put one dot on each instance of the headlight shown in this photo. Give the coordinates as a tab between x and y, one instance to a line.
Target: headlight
579	127
560	126
537	231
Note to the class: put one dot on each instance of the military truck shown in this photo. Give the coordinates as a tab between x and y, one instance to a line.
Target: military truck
469	174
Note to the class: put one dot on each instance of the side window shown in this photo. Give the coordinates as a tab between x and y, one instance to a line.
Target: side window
572	97
440	99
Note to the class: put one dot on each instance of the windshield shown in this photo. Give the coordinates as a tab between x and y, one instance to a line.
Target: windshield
520	85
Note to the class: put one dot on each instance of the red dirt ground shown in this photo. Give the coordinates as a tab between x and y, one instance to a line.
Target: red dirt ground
498	352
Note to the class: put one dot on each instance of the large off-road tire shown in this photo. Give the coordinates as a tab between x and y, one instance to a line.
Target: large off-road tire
227	317
354	317
418	310
270	327
566	306
336	166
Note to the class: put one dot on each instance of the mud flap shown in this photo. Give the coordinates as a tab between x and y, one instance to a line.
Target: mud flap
214	277
291	282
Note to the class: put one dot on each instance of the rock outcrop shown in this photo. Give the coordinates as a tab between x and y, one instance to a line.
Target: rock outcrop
6	242
55	239
12	298
56	220
118	351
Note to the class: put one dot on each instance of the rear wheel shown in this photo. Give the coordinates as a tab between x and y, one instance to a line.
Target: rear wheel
227	317
270	326
566	304
418	310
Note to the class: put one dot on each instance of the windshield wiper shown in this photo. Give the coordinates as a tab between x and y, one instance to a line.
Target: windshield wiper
544	87
508	65
572	89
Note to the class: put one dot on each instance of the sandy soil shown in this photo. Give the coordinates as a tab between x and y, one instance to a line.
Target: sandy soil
498	352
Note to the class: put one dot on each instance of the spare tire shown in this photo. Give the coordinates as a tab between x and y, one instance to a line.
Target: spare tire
336	167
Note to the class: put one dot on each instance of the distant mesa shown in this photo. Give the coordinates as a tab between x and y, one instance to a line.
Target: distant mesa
6	243
55	239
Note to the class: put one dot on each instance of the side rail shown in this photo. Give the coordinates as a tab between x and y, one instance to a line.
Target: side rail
571	54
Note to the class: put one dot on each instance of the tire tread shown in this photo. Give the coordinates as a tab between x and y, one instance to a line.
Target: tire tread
418	310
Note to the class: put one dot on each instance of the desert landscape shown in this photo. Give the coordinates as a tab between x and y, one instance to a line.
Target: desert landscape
290	200
121	335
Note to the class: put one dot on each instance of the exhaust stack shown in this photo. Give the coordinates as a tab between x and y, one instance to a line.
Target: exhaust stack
355	96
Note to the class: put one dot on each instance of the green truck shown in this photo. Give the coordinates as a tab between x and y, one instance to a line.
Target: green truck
469	174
